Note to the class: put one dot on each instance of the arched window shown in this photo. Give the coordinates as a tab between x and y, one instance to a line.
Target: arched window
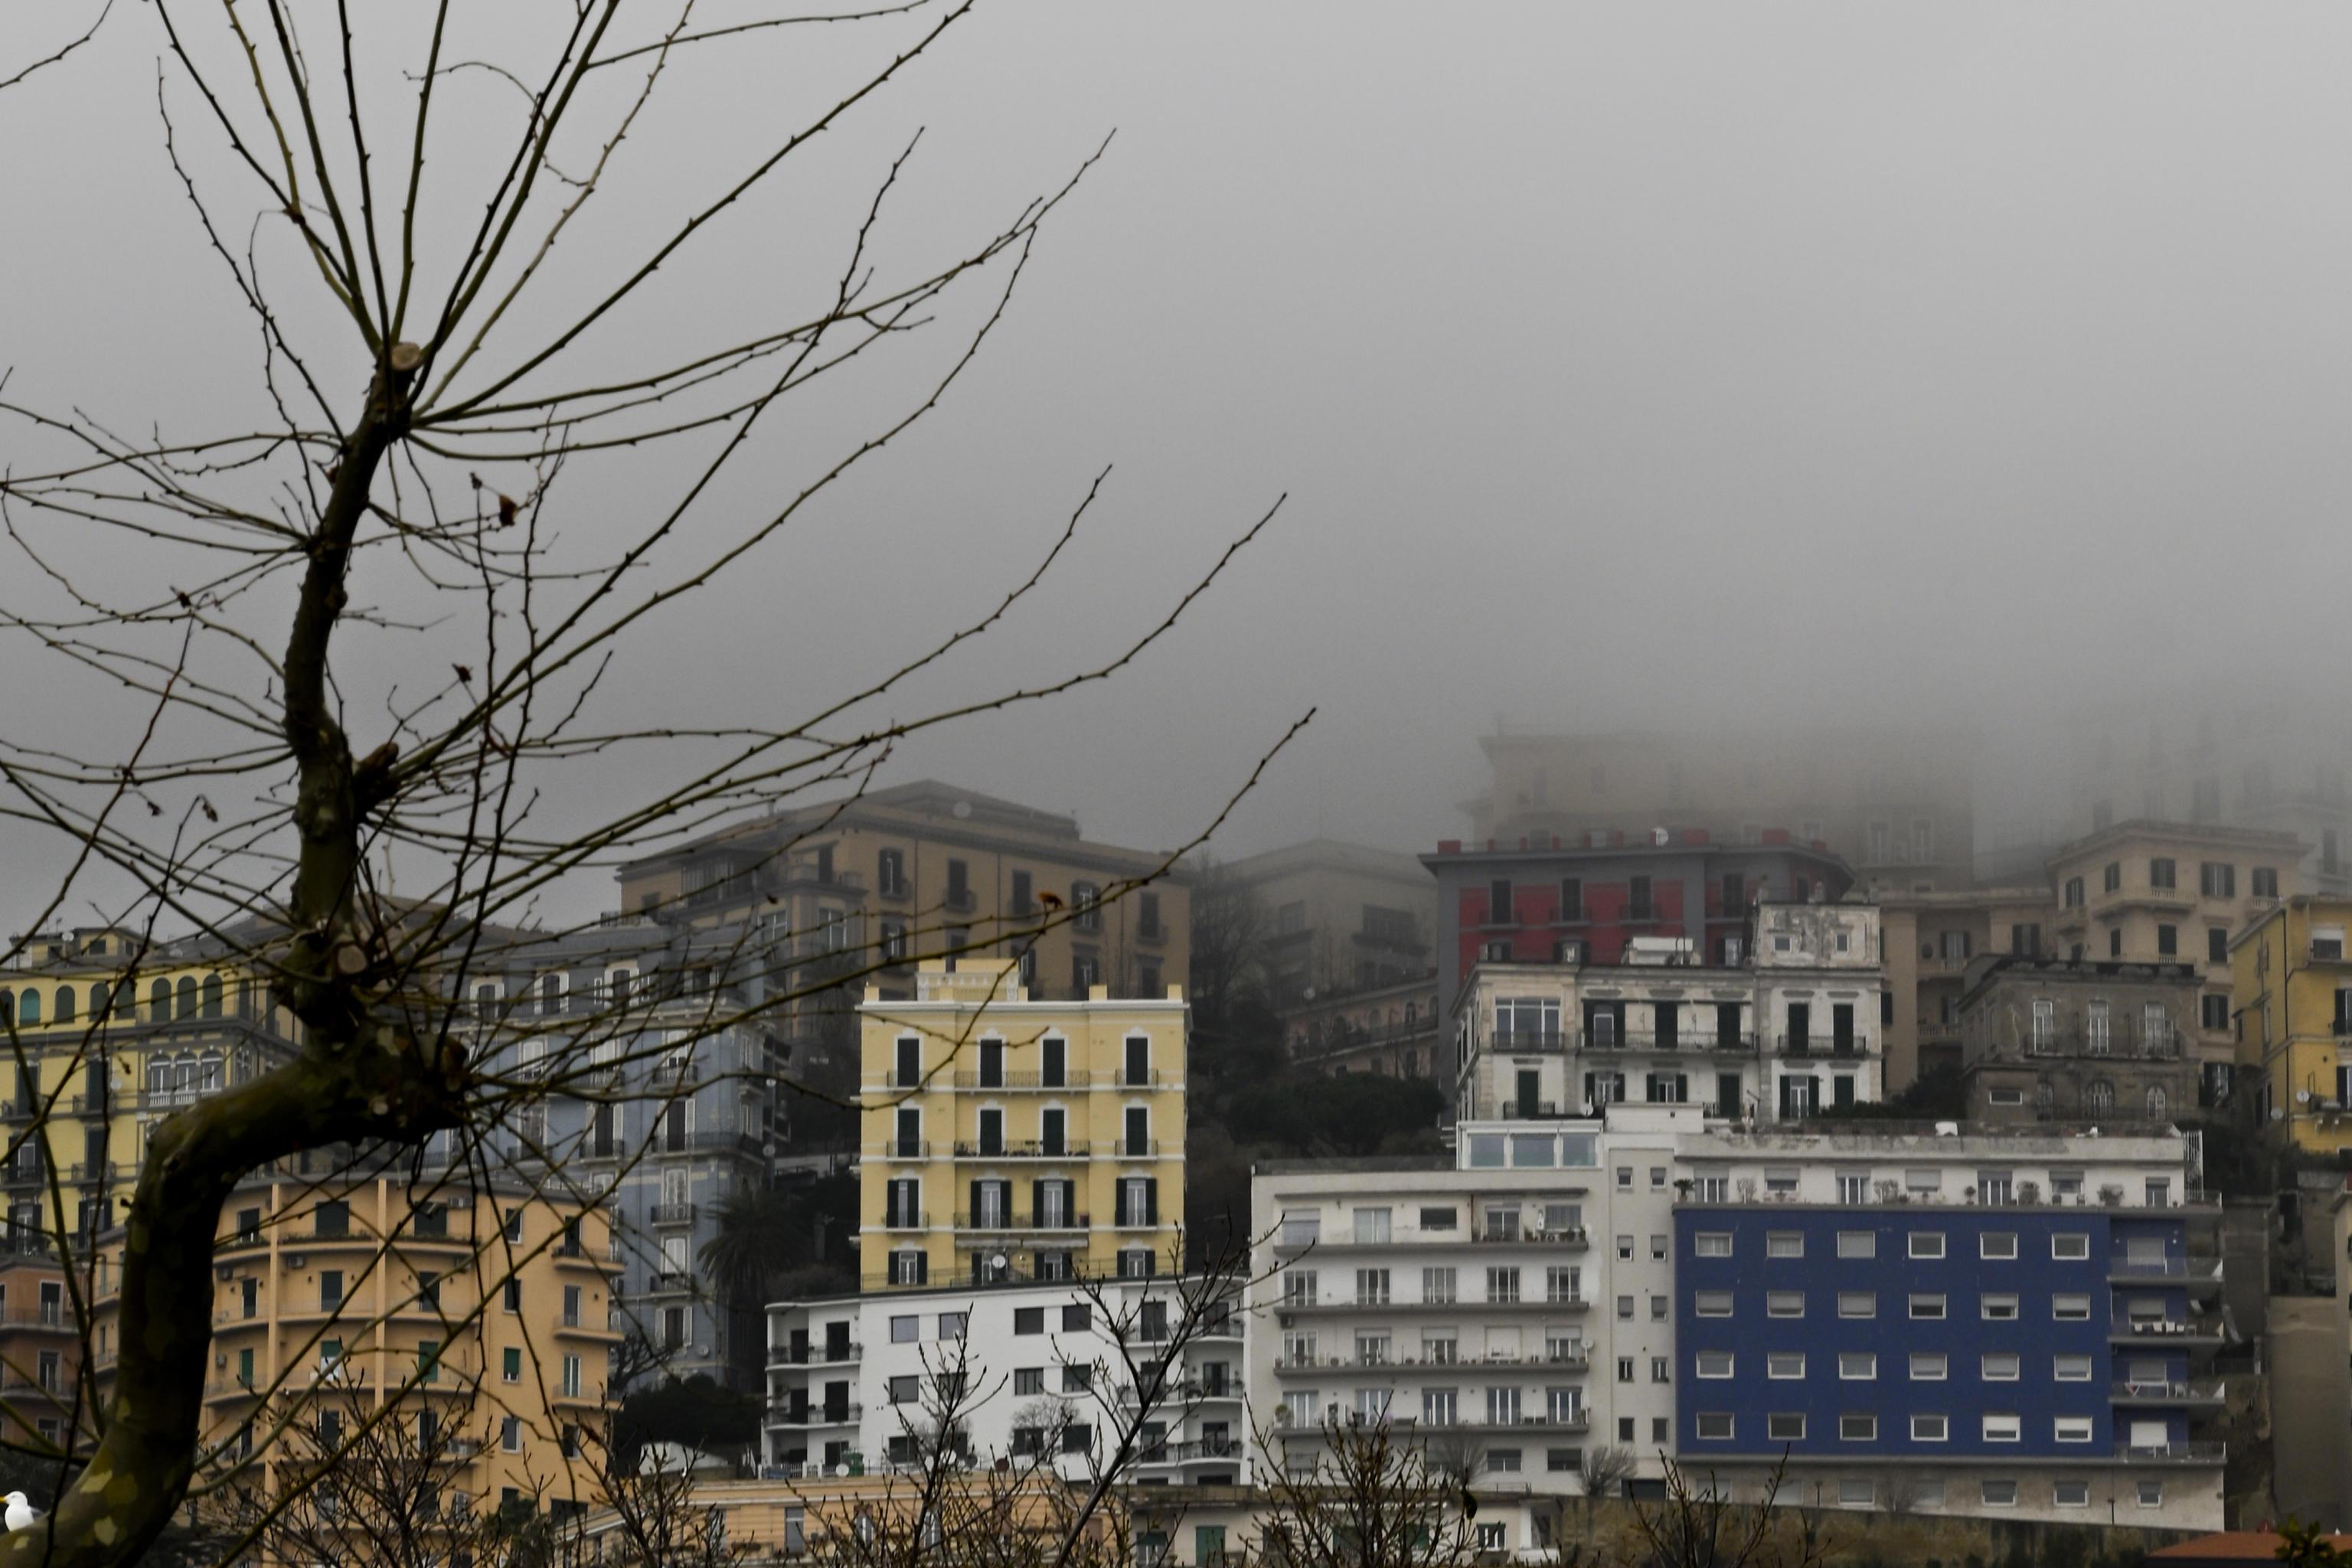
2099	1099
187	1008
184	1074
65	1004
99	999
2156	1102
159	1002
159	1075
208	1077
8	1004
2045	1099
212	996
28	1008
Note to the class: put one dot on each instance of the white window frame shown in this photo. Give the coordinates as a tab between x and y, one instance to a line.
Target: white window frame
1927	1244
2004	1428
1857	1243
1942	1433
1868	1360
1985	1246
1711	1244
1775	1361
1712	1365
2077	1239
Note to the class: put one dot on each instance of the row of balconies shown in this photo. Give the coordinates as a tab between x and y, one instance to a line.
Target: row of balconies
816	1355
1074	1078
1565	1422
1014	1149
1385	1304
1538	1042
812	1414
1573	1237
1580	1360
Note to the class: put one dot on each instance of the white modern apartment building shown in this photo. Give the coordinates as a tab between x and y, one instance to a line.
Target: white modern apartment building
1027	1373
2014	1322
1792	1023
1514	1306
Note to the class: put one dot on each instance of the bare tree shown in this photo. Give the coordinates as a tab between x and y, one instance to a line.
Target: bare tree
1368	1499
1602	1470
439	419
1699	1526
1228	932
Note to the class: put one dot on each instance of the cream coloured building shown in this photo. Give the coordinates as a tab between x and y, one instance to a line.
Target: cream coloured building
1008	1139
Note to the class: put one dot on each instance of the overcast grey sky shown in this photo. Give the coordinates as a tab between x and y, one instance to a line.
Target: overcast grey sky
1621	362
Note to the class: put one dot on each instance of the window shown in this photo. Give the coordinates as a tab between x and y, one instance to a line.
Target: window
1624	1178
2072	1429
1998	1494
1712	1304
2001	1429
1503	1284
952	1324
1712	1425
1371	1227
1858	1303
1997	1244
1784	1244
1855	1427
1625	1308
1626	1249
2151	1493
2168	941
1440	1219
2265	881
1999	1366
1028	1320
1998	1308
2073	892
2217	880
2071	1368
1077	1377
1785	1427
1857	1243
1625	1369
1079	1317
1927	1244
510	1365
1437	1284
510	1434
1929	1366
1712	1244
1713	1364
2071	1308
2112	878
1658	1248
1784	1303
2069	1244
1927	1305
1930	1428
1785	1364
1025	1380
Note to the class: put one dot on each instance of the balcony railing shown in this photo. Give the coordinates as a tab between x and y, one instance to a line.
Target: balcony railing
1528	1041
2191	1269
1823	1046
2165	1328
1021	1222
1075	1078
2207	1391
1436	1365
814	1415
1019	1149
2176	1453
1195	1450
816	1355
1128	1148
673	1214
907	1220
900	1149
2120	1045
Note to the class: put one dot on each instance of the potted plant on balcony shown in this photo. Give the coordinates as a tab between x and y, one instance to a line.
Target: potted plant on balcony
2029	1193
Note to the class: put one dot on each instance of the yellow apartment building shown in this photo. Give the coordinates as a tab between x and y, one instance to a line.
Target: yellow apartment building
2292	988
1006	1138
2175	891
481	1316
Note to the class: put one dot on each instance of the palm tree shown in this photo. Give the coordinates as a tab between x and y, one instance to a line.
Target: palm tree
766	1232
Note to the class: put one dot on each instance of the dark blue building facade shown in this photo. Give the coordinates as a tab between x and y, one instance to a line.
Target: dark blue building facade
1925	1332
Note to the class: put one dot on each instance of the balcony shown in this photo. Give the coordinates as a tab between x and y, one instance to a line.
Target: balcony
1817	1046
1129	1148
1434	1367
816	1414
1010	1224
1527	1040
673	1214
2118	1045
2174	1330
1570	1237
1197	1450
1455	1307
1535	1111
2205	1393
816	1355
2194	1272
900	1149
1019	1149
1076	1077
2174	1453
907	1220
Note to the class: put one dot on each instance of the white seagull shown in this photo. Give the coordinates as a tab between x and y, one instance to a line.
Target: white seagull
21	1514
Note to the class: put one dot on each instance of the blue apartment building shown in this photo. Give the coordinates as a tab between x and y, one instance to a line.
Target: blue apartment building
1988	1355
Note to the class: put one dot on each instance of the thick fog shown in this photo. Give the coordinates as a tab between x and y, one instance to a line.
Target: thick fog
1622	364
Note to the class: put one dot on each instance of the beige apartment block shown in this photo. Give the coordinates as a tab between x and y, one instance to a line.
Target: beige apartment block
1007	1138
2173	892
898	873
1931	938
1896	804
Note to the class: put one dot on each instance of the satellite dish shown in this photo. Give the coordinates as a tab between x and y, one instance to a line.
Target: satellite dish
2302	1097
841	1469
998	1260
963	808
2278	1113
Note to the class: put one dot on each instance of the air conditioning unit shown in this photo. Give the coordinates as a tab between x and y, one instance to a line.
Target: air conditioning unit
297	1260
1568	952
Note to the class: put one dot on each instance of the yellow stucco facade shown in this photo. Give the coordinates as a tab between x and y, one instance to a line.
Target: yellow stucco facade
1007	1139
2290	987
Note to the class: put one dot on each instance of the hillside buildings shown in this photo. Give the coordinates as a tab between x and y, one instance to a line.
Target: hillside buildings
1341	919
1931	938
1007	1137
1789	1025
2079	1040
1967	1322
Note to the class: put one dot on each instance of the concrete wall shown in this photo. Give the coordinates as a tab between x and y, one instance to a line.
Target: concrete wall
2311	1389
